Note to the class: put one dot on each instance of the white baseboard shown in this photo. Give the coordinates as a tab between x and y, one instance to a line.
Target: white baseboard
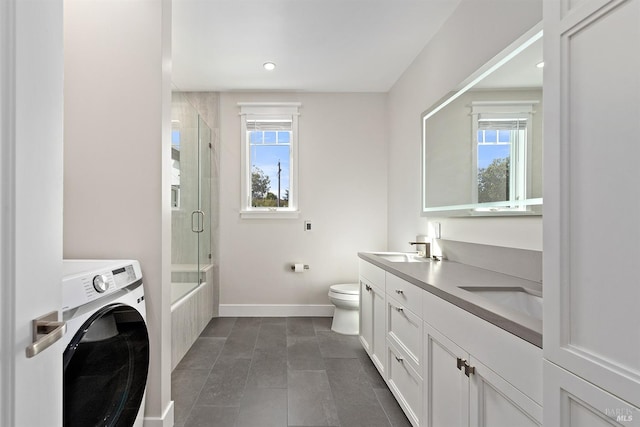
275	310
165	421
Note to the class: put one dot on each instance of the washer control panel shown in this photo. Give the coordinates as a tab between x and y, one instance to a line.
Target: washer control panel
87	280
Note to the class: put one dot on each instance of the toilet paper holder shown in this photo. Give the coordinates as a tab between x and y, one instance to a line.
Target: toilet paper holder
304	266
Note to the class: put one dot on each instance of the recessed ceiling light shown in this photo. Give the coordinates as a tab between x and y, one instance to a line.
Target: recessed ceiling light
269	66
540	64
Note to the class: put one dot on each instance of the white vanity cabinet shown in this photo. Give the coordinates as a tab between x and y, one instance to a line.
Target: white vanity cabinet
372	314
591	316
475	374
445	366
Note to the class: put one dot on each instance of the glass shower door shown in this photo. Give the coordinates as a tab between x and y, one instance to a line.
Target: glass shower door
186	219
204	207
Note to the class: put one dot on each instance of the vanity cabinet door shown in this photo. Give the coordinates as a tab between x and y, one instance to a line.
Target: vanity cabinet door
372	323
379	355
493	402
462	391
366	316
446	387
591	197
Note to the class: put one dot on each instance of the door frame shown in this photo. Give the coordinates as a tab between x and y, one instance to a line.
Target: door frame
7	220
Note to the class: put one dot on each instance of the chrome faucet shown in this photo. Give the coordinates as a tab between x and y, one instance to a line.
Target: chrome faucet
427	248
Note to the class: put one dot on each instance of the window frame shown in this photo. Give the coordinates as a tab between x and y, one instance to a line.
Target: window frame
269	110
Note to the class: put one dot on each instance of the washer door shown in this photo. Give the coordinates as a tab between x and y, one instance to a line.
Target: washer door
105	369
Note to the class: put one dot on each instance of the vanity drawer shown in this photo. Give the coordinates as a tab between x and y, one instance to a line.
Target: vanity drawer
374	274
408	294
404	328
405	383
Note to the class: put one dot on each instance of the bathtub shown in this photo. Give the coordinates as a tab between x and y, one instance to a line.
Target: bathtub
192	307
180	291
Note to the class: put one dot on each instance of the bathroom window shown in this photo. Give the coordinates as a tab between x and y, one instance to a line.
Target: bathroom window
501	132
269	159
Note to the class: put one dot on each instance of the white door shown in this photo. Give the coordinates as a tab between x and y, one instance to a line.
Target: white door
591	197
31	84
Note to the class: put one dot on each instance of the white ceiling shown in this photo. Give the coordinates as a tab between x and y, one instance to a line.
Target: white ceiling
318	45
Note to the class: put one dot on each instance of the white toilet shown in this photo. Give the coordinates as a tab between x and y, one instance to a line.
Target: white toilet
346	298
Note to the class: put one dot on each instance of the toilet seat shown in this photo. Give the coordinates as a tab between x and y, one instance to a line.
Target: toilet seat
345	288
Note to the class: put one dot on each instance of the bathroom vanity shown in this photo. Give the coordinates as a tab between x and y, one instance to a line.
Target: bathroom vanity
457	345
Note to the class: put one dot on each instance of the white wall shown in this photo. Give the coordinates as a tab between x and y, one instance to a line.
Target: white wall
476	32
342	189
117	155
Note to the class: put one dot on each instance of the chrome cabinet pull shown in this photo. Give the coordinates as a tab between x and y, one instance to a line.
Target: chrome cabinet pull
398	309
46	331
399	359
399	291
461	363
368	288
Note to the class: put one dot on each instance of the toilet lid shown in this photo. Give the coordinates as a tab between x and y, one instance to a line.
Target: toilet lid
346	288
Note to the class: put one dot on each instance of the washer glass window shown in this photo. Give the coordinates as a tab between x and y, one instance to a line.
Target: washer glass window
105	369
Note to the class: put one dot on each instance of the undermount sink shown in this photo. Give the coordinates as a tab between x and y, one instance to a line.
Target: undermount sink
519	299
401	256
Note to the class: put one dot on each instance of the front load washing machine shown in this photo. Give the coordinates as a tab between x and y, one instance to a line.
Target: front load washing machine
106	356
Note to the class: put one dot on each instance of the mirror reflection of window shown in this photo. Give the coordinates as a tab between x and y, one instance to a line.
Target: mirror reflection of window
502	153
175	164
501	164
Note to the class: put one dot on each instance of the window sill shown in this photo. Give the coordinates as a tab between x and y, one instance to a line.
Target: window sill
270	214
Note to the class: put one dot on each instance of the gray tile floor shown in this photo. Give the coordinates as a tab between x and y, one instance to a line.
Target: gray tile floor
262	372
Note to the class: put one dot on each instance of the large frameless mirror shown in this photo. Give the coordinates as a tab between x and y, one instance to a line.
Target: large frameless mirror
482	144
